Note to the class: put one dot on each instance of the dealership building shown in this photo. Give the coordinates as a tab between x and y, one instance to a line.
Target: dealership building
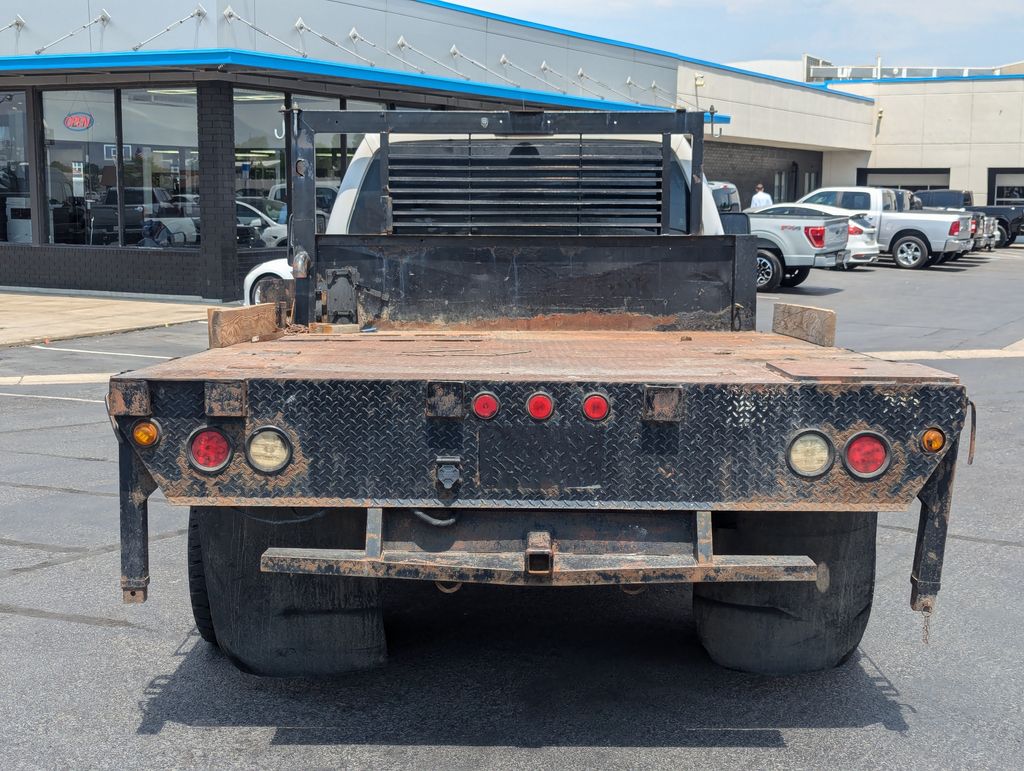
142	146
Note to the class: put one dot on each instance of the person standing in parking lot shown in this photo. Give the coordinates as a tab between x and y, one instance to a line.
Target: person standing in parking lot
761	198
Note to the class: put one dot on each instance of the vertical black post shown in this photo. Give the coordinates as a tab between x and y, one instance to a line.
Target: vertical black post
668	160
302	216
136	487
385	181
119	166
36	154
696	126
936	500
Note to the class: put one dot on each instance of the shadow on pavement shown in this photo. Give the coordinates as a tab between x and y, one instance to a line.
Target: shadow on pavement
493	666
809	291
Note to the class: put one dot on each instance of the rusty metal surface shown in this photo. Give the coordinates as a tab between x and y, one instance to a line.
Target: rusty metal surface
567	570
128	397
225	398
371	443
936	502
608	356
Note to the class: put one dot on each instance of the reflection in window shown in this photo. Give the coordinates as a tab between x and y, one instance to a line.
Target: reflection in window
161	167
15	217
259	144
81	172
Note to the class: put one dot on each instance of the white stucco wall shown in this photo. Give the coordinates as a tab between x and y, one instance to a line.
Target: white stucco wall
779	113
967	126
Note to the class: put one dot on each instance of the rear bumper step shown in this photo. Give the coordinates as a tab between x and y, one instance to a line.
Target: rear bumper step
514	569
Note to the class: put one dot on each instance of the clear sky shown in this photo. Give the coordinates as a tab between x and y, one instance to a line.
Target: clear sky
908	32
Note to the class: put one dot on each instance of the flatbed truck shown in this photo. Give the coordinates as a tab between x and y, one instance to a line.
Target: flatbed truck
537	366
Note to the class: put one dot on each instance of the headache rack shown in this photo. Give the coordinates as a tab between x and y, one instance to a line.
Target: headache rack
501	183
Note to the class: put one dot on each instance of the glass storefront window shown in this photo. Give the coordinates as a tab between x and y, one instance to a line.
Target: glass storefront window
260	150
15	212
161	167
81	166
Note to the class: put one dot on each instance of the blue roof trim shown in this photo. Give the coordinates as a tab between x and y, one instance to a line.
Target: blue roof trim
216	56
819	87
950	79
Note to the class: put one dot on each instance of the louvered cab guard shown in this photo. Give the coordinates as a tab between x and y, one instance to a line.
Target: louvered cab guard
528	357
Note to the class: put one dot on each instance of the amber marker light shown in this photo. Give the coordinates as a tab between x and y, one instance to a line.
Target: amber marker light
933	440
145	433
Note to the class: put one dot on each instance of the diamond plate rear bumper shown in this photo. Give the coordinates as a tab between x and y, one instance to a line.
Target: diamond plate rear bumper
664	450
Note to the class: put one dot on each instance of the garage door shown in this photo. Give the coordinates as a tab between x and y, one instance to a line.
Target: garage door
908	180
1009	189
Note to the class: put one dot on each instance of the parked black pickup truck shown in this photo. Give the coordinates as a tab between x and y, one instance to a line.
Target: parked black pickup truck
1009	219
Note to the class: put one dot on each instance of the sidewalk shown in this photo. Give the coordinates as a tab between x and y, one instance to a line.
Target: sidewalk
33	318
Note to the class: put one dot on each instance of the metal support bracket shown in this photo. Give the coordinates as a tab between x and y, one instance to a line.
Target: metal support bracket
135	488
936	498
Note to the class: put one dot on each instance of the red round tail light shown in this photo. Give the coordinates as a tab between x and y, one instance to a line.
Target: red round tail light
540	406
209	450
867	455
595	407
485	405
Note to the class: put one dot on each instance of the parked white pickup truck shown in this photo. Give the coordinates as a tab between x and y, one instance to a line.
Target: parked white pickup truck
789	245
915	239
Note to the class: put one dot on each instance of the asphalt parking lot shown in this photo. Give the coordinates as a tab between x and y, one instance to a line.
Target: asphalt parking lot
504	678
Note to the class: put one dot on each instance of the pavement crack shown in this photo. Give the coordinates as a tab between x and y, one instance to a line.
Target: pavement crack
955	537
74	618
52	489
56	427
92	551
50	547
61	457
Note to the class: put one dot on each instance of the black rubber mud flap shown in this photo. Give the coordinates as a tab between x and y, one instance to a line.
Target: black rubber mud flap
790	627
288	625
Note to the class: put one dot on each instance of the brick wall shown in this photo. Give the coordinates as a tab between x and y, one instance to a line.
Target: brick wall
746	165
217	190
103	268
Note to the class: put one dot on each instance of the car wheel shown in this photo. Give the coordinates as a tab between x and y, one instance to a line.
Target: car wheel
795	277
259	288
910	252
1003	239
769	271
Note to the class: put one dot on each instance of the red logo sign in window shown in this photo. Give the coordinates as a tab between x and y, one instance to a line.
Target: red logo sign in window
78	121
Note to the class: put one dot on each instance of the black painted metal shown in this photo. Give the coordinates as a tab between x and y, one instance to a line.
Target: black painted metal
305	126
680	282
136	485
936	501
371	443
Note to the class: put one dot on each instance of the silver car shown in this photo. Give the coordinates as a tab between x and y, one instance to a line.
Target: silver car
861	248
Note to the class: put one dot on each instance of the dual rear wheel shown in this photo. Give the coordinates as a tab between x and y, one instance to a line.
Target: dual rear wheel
285	625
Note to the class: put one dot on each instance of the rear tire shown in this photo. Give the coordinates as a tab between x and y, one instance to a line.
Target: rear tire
769	271
795	277
786	628
1003	239
910	252
197	583
283	624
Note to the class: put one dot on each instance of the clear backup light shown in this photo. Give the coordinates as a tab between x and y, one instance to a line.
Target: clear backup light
810	454
268	450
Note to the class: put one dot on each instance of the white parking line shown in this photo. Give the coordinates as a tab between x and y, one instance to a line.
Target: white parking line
54	398
98	353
